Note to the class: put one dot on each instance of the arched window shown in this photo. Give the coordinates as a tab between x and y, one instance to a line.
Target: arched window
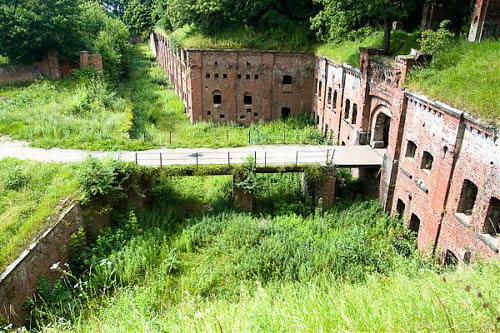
217	97
467	198
335	99
354	113
411	149
347	108
427	160
329	98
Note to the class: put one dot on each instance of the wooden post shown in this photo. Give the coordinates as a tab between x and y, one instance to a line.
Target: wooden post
170	141
196	160
265	159
297	158
228	158
136	162
161	161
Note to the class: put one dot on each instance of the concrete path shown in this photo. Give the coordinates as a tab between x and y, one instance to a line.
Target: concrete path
353	156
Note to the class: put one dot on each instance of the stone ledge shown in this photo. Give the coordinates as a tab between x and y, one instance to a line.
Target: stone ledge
464	219
406	173
490	241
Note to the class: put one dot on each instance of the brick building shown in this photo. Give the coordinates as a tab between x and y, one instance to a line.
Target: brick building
238	86
441	169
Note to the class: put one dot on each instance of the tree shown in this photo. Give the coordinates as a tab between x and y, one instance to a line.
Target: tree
30	29
138	16
116	7
340	19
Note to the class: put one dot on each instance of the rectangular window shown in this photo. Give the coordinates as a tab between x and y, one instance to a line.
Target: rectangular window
492	225
467	198
427	160
287	80
329	98
414	225
400	208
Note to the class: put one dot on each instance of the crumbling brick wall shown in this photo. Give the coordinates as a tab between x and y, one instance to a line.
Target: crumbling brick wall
485	20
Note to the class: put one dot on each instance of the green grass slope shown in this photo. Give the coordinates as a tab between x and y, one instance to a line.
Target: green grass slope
29	193
466	76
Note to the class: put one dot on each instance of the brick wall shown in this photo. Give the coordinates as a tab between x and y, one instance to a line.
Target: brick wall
485	20
238	86
361	106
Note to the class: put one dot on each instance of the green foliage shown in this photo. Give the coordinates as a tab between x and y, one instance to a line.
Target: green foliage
465	76
286	37
245	176
436	41
102	179
107	35
138	17
29	194
31	29
348	51
341	20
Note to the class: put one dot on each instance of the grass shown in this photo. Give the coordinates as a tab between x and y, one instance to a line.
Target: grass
29	194
192	263
296	37
465	76
142	112
348	51
4	60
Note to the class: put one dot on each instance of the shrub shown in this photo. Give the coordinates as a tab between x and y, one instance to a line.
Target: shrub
435	41
14	176
97	178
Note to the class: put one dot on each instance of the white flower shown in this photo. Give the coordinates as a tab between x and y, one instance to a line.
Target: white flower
55	266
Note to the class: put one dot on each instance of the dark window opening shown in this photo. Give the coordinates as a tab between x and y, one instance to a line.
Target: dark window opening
247	76
492	225
216	76
248	64
242	117
400	208
427	160
347	109
247	99
222	116
467	198
335	99
411	149
343	143
249	110
381	130
467	257
320	88
224	76
255	114
285	112
209	113
217	98
414	225
287	79
326	130
256	76
207	76
216	63
329	97
315	86
354	113
450	259
239	76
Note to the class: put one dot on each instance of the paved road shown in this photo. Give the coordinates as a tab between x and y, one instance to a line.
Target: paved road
270	154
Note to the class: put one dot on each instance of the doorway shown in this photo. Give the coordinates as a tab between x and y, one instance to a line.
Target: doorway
381	128
285	113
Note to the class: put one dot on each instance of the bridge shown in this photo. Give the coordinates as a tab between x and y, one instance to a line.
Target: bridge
266	157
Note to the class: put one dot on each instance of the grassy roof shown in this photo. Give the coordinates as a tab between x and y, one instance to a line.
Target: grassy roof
466	76
296	38
348	51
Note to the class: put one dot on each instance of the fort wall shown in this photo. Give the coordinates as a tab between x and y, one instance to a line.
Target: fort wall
441	169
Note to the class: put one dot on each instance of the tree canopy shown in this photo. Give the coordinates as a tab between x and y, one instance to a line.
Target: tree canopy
341	19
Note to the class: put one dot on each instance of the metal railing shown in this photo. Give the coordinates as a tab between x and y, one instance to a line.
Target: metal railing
260	158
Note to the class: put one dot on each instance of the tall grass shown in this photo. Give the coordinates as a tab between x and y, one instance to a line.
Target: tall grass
141	112
466	76
348	51
293	37
29	194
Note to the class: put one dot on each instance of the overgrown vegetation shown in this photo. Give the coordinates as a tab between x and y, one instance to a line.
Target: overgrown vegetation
192	263
66	27
29	194
464	75
348	51
90	112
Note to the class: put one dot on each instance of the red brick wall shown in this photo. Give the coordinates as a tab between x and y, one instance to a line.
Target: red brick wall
198	74
459	151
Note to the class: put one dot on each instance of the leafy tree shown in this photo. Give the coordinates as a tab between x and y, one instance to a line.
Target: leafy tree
341	19
32	28
138	16
116	7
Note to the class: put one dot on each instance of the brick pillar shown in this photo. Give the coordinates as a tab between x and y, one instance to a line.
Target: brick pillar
243	199
54	66
485	20
325	191
84	59
96	61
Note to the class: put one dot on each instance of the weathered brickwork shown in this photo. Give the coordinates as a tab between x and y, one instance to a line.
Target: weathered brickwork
485	20
238	86
431	149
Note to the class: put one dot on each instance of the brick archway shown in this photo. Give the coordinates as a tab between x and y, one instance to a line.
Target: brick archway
380	127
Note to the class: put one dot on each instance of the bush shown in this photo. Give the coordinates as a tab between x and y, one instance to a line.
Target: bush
435	41
14	177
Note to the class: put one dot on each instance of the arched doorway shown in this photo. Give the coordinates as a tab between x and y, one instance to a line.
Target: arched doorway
380	130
